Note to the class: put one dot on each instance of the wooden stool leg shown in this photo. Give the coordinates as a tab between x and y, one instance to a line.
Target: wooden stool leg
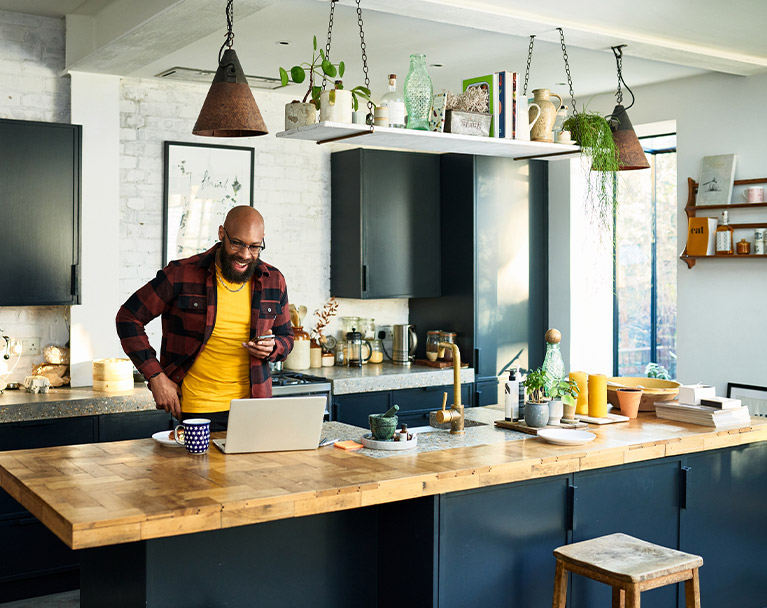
692	591
619	598
632	597
560	586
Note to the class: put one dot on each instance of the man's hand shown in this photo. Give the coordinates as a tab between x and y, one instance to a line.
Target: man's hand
260	349
166	394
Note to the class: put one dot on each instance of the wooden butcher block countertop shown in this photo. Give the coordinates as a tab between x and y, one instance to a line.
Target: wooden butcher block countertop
108	493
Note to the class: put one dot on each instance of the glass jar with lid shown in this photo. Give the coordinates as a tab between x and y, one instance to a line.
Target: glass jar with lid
367	328
446	354
349	324
376	351
432	344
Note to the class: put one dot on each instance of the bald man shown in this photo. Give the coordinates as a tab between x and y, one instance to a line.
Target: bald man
214	307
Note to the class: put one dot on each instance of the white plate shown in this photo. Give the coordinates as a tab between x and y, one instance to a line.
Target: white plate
566	436
162	437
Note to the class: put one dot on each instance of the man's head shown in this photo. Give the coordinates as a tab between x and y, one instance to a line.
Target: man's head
242	237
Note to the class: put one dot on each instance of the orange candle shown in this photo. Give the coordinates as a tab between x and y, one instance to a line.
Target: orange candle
598	395
582	403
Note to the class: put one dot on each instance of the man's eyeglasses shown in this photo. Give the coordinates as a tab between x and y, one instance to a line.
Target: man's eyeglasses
239	245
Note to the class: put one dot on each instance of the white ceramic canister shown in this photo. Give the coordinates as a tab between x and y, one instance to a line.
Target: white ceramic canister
336	105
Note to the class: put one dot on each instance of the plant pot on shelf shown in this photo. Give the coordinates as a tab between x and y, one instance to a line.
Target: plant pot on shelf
336	105
467	123
536	414
299	114
568	412
556	411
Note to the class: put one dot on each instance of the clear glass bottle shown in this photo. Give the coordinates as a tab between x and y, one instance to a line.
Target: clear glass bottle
446	354
724	237
553	364
396	104
418	94
432	344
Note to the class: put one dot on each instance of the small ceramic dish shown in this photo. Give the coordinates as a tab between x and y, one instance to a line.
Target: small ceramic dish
566	436
163	437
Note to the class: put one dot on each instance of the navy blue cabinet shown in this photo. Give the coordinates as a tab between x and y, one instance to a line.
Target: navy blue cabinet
724	521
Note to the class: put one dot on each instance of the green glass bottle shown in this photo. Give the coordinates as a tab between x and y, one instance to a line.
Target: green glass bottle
418	94
553	364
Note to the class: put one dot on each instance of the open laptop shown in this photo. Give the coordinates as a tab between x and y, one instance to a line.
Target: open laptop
274	424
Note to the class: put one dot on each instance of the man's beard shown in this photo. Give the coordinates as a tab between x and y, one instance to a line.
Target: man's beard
230	273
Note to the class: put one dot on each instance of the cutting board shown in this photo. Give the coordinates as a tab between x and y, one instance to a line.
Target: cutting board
439	364
523	428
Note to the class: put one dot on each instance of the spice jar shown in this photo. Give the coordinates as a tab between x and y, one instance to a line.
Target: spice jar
432	344
299	358
446	354
376	351
743	247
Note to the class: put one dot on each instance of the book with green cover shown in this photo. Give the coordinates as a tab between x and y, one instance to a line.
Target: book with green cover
485	82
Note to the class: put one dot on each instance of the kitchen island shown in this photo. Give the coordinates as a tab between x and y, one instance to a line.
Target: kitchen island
454	527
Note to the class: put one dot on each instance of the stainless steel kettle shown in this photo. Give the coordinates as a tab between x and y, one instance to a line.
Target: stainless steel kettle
404	342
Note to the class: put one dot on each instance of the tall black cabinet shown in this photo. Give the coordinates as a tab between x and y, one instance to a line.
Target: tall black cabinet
39	213
494	265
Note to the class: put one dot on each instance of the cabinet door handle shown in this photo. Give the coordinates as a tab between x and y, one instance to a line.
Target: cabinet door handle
684	482
364	277
476	359
571	501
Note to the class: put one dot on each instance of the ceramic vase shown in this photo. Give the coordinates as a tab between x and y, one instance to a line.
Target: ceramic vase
542	128
300	357
555	411
629	399
336	105
418	94
536	414
299	114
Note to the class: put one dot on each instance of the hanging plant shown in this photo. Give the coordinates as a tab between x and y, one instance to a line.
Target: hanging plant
593	134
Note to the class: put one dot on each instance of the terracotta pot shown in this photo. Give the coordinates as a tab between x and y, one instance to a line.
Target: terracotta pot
629	399
568	412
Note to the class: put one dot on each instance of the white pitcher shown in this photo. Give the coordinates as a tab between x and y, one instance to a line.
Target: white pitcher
523	110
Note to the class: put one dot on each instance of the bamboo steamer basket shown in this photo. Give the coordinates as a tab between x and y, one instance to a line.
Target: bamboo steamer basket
111	375
653	390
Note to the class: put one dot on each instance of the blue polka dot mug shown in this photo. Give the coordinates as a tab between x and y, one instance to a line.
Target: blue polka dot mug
194	435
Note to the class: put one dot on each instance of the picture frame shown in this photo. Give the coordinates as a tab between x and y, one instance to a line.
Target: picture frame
202	182
755	397
717	175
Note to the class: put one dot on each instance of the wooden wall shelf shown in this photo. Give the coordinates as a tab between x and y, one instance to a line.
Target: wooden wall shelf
691	209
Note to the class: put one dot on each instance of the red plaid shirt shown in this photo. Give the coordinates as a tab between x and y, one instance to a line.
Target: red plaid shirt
184	293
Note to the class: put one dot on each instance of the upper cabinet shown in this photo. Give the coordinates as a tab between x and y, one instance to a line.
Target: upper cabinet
385	224
39	213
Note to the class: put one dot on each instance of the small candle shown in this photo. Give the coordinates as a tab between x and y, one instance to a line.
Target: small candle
582	403
598	395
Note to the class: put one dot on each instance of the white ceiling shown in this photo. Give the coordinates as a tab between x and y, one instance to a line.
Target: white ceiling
667	39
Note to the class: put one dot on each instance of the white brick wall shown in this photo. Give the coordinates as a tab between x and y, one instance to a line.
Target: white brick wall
31	59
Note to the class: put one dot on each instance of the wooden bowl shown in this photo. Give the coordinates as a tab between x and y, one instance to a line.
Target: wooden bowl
653	389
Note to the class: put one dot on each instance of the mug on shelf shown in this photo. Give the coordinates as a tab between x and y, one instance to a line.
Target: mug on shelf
754	194
195	435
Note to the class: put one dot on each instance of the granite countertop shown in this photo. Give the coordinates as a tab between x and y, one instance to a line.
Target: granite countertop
387	376
68	402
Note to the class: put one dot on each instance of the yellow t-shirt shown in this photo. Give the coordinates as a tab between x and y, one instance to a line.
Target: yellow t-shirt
221	371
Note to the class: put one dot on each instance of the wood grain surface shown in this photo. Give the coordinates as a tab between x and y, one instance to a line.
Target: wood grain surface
107	493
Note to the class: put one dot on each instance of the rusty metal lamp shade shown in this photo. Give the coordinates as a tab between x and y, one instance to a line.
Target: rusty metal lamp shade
630	153
229	109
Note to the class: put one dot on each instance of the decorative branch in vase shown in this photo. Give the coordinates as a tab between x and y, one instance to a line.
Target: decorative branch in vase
324	316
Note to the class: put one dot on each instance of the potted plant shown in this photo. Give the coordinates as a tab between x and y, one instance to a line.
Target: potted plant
467	113
337	104
301	113
537	408
564	391
593	133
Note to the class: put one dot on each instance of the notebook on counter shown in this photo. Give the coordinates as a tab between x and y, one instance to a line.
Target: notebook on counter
275	424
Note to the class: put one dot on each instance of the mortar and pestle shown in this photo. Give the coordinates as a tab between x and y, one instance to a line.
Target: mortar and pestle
382	426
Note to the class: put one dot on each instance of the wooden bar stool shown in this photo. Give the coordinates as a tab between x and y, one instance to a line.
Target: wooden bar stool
629	566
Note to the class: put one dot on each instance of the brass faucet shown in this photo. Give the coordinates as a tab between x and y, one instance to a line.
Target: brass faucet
455	414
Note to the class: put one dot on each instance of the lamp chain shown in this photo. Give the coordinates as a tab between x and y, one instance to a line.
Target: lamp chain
369	118
529	59
618	52
229	41
330	33
567	70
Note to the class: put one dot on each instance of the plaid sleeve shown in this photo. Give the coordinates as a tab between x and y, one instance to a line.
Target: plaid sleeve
149	302
282	328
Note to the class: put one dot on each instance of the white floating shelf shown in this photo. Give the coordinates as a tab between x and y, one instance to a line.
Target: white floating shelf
428	141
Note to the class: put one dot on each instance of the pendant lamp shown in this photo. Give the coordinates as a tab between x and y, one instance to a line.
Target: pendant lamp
229	109
630	153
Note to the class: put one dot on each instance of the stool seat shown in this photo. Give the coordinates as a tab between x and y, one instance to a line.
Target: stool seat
629	565
627	558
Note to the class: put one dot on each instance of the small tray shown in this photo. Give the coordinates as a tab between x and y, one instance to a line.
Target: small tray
368	441
523	428
440	364
609	419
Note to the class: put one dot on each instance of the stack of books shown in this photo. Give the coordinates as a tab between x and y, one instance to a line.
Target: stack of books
506	104
712	411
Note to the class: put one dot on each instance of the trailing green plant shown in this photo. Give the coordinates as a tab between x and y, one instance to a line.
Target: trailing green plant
534	384
655	370
593	134
320	68
566	390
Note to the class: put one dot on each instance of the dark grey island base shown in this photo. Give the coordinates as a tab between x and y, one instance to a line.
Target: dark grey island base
481	547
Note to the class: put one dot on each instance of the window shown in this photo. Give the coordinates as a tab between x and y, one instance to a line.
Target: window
645	263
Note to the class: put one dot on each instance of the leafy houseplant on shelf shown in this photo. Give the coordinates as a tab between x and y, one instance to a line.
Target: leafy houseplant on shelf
592	132
537	408
337	104
565	391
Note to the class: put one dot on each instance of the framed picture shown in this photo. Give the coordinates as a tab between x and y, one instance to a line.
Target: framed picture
202	183
716	180
755	397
